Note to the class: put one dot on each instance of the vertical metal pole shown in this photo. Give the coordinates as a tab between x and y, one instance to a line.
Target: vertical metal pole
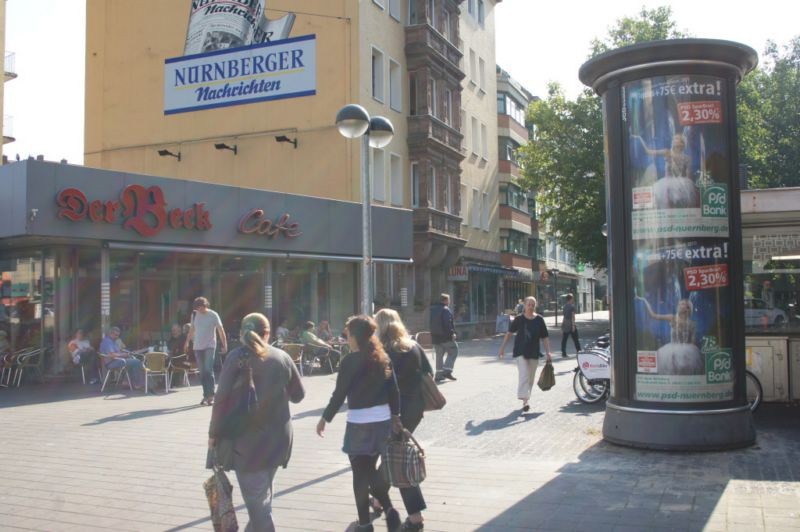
366	229
591	293
555	293
105	290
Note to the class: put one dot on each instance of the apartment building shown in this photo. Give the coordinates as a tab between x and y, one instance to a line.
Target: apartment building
9	73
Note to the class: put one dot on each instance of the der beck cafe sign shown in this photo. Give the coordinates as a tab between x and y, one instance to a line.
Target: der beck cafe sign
146	212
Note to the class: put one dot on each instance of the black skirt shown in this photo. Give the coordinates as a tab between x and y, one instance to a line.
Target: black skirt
366	438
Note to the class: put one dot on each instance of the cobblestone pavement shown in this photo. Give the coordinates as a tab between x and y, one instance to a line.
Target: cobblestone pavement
75	459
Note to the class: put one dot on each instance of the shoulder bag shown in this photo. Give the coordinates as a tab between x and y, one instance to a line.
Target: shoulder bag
431	395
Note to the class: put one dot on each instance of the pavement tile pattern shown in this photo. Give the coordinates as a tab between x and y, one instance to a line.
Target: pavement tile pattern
75	459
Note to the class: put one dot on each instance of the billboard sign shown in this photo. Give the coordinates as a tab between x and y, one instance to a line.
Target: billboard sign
234	55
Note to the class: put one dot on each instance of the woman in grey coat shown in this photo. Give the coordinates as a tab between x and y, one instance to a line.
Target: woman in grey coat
266	443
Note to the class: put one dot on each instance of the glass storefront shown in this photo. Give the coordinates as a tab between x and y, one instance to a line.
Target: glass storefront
771	281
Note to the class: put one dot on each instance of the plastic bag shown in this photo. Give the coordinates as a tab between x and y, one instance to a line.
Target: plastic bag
547	378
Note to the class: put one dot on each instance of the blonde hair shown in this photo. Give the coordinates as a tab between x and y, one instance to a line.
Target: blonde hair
254	327
392	332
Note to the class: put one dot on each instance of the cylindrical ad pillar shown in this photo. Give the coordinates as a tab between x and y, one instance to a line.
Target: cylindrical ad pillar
675	259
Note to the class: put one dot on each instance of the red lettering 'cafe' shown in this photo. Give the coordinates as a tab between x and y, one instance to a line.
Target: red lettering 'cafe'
89	248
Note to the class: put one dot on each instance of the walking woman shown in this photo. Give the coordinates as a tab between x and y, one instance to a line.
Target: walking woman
410	363
530	328
267	442
366	380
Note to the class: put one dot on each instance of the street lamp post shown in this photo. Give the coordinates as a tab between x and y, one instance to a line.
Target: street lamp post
353	121
554	273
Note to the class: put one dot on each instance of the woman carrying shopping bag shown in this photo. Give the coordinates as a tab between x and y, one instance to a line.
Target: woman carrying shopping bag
265	442
530	328
410	363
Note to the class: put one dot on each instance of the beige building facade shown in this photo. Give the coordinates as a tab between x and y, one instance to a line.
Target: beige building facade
406	60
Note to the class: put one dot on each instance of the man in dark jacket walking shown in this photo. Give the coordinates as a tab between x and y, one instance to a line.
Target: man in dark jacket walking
443	336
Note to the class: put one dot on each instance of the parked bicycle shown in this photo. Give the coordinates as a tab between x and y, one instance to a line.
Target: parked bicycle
592	380
754	390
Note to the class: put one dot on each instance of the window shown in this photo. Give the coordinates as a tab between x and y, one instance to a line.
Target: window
451	200
413	17
432	12
508	150
463	127
476	208
481	73
446	26
434	107
395	96
485	211
412	94
516	242
484	142
472	65
464	201
414	184
481	12
433	190
378	175
379	3
396	178
377	74
501	103
508	106
448	107
476	142
394	9
513	196
471	7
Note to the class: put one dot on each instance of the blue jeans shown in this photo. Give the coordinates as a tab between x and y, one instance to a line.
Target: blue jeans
205	361
135	369
445	366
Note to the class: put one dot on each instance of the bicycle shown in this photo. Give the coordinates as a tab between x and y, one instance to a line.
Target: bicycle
754	390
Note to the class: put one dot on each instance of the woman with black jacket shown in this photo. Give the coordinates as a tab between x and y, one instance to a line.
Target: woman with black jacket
365	378
410	363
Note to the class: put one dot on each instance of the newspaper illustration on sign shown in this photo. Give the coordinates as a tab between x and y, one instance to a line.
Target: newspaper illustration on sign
223	24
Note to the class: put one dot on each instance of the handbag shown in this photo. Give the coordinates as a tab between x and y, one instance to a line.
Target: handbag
547	378
242	402
219	493
431	395
403	461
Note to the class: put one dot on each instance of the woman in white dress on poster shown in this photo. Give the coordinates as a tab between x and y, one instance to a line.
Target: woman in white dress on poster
680	356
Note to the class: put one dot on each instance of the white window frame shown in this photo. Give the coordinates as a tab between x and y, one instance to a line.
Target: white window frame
484	142
395	10
395	86
471	7
378	83
482	74
447	117
414	179
446	29
378	174
396	179
476	137
485	211
379	3
473	62
450	199
476	208
481	12
432	12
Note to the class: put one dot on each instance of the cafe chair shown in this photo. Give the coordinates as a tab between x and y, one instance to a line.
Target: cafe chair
296	352
192	369
31	359
8	365
156	364
322	355
424	339
116	374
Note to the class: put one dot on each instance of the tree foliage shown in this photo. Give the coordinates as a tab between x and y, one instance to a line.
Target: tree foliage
768	114
564	161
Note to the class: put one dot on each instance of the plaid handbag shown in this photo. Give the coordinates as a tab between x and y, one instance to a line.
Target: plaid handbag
219	493
403	461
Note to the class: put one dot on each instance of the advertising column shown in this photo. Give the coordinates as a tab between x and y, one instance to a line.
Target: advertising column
675	243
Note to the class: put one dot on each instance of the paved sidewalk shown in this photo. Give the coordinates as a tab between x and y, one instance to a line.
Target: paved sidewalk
73	459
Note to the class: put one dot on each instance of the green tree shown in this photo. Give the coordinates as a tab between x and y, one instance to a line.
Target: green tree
768	115
564	160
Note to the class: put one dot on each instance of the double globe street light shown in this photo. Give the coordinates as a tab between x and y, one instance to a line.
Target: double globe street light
353	121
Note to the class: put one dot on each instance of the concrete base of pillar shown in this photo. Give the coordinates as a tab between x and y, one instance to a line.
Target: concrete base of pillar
707	430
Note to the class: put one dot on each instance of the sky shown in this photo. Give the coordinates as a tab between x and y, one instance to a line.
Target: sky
538	41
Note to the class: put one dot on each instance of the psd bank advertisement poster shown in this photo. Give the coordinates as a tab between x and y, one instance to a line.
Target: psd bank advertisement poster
235	55
677	161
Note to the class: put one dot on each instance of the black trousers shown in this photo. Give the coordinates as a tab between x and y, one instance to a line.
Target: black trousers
574	334
367	477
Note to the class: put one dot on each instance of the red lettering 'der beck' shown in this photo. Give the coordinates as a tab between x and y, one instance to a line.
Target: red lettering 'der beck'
143	209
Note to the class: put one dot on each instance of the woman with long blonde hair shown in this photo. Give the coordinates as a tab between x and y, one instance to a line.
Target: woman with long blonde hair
266	443
410	363
365	378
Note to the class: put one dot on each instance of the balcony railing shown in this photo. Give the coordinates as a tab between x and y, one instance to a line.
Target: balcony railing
423	38
425	127
431	220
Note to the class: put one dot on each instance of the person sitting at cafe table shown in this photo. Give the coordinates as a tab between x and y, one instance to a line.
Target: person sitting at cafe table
325	333
321	347
177	339
117	357
83	354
